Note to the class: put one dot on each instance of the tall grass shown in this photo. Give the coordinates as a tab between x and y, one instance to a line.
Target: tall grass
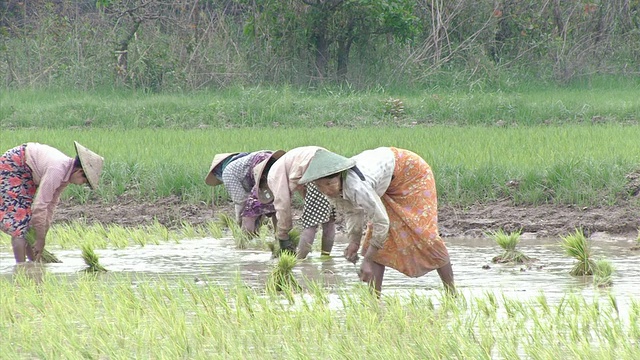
162	319
581	164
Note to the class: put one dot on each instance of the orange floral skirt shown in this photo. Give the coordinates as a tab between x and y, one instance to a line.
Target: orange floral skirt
414	246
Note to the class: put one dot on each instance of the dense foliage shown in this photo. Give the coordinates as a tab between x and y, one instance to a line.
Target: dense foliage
196	44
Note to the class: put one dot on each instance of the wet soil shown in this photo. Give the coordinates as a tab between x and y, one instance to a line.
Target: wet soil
546	220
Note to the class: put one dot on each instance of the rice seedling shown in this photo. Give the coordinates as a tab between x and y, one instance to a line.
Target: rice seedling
159	318
603	273
508	242
190	231
241	237
294	236
47	256
91	259
578	246
281	277
225	220
214	229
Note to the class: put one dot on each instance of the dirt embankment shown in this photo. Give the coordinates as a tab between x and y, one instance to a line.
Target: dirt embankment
473	221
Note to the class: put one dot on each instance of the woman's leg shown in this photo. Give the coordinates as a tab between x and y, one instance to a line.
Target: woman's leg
306	241
378	274
328	236
20	245
249	224
446	275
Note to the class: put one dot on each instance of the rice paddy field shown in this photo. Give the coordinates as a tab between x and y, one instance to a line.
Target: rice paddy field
199	292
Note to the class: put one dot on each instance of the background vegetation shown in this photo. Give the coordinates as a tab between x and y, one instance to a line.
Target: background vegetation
184	45
534	102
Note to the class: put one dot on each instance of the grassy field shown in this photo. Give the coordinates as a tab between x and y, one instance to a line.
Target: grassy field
574	144
100	317
582	164
600	101
571	145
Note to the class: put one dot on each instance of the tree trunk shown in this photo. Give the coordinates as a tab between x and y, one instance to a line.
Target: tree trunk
122	51
320	43
344	48
557	18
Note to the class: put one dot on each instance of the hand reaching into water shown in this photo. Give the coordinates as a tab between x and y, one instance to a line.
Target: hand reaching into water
38	248
351	252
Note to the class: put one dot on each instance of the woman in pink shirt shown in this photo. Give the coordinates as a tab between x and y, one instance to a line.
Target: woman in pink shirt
278	182
32	178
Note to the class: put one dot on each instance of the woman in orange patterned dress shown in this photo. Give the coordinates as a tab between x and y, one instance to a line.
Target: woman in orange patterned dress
395	189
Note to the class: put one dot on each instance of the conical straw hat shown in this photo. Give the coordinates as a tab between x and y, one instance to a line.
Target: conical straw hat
211	178
91	164
325	163
264	194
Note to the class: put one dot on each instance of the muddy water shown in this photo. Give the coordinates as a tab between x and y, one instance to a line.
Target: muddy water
217	261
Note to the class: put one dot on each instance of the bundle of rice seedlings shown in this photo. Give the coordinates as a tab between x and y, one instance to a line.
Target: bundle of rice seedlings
576	245
226	221
508	243
91	259
603	273
47	257
281	277
294	235
241	238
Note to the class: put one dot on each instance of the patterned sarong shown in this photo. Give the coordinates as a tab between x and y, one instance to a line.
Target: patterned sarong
414	246
253	208
17	191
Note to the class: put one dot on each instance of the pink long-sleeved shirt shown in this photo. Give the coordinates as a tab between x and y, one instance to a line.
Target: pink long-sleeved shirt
283	180
51	170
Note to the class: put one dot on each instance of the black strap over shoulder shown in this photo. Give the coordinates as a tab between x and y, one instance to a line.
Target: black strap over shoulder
358	172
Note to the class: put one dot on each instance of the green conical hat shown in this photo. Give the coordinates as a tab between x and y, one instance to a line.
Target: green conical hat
325	163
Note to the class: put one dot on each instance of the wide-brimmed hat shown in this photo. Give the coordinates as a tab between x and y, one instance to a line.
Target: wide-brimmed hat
265	195
91	164
211	178
325	163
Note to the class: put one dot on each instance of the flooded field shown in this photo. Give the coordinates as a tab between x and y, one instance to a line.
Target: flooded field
217	261
504	311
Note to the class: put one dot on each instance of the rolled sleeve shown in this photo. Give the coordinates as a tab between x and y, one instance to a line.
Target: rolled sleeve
46	200
278	182
371	205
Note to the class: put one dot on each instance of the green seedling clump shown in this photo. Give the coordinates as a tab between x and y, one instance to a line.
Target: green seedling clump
508	243
603	273
577	246
281	277
47	257
294	235
91	259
